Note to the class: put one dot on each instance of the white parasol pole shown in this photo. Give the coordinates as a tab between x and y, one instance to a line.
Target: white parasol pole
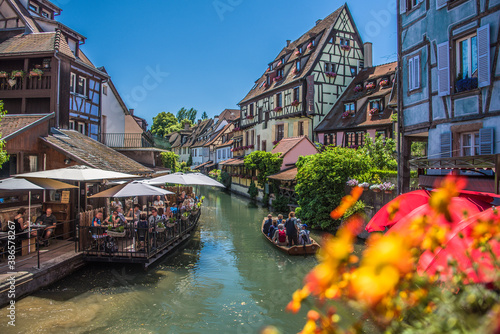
29	221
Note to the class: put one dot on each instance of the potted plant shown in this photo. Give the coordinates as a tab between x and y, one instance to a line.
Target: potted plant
352	183
364	185
331	74
384	83
370	85
4	74
36	72
388	187
297	52
17	74
376	188
374	111
295	103
278	78
160	227
278	109
358	88
345	114
275	142
250	117
310	46
185	215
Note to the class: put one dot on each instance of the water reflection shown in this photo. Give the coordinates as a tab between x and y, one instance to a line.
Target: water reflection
226	279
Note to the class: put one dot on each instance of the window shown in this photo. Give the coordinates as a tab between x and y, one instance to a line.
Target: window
467	57
264	143
376	104
380	133
251	109
81	89
354	139
300	49
105	90
300	131
414	72
252	137
279	73
297	65
329	67
247	141
72	85
345	41
330	139
32	164
296	94
354	71
280	132
45	14
279	100
71	125
33	7
412	4
81	128
223	154
258	143
350	108
470	144
218	155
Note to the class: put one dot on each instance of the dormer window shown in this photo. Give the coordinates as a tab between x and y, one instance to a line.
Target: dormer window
33	7
279	73
298	66
45	14
376	104
345	41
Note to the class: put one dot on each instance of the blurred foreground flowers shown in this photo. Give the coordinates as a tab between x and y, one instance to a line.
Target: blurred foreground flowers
436	275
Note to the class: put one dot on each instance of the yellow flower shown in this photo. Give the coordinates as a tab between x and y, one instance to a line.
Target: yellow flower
347	202
441	199
434	238
390	249
369	285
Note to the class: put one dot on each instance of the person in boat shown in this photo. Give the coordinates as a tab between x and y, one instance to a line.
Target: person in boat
304	238
280	236
267	224
280	219
291	230
273	229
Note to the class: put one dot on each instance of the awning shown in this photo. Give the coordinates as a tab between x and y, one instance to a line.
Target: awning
210	166
203	165
286	175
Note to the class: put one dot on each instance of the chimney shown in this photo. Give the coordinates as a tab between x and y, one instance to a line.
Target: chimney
368	54
131	111
186	126
199	121
216	119
318	22
288	42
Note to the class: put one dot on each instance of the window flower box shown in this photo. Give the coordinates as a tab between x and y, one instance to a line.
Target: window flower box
251	147
4	74
297	52
358	88
466	84
331	74
265	85
278	78
310	46
384	83
295	103
250	117
345	47
370	85
17	74
346	114
278	109
275	142
374	111
36	73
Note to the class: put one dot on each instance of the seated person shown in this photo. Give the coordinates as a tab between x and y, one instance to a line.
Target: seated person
121	216
280	236
267	224
142	230
21	225
304	238
97	221
50	221
280	219
158	201
113	219
116	202
272	229
154	218
135	213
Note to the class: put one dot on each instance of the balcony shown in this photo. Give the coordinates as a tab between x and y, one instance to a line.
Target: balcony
471	162
26	87
127	140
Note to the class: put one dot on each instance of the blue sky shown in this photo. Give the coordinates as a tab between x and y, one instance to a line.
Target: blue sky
205	54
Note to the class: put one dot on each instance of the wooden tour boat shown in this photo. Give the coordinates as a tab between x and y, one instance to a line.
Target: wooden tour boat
294	250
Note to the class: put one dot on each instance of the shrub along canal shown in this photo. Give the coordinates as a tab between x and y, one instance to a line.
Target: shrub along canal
226	279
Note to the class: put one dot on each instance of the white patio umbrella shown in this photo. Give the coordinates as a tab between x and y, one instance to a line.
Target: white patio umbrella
80	174
132	189
13	184
192	179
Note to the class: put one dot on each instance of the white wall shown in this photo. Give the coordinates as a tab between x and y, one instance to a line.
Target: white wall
114	112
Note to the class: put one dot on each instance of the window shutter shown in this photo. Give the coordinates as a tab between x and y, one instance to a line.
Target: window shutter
416	73
410	74
441	3
446	145
483	59
285	130
486	141
443	69
402	8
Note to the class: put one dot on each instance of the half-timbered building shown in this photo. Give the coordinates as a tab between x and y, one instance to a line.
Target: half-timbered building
301	85
450	88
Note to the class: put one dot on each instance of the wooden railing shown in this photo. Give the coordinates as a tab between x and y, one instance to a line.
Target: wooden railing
472	162
33	83
126	140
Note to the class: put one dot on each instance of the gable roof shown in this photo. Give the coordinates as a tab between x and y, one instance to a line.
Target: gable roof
323	28
24	15
36	43
13	125
230	115
334	120
218	135
197	131
90	152
287	144
286	175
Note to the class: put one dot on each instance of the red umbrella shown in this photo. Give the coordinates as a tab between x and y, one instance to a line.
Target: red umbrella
456	247
408	202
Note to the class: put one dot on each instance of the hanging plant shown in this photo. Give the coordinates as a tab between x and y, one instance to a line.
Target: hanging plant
331	74
278	109
374	111
4	74
370	85
358	88
36	73
17	74
384	83
295	103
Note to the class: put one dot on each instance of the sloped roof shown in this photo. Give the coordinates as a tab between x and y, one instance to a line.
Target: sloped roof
334	120
197	131
203	165
12	125
287	144
90	152
286	175
323	27
233	162
36	43
218	135
25	15
228	143
230	115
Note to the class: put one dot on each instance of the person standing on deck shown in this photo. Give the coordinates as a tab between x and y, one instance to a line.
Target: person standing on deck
267	224
291	230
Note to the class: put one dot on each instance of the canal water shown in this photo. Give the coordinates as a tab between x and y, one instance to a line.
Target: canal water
226	279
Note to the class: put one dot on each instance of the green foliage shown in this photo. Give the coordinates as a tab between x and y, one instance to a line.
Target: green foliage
3	154
190	160
418	149
215	173
280	204
394	117
164	124
358	208
382	152
190	114
265	200
253	191
266	163
225	179
204	116
321	180
170	160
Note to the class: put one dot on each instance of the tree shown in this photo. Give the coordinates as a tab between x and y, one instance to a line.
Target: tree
204	116
3	154
170	160
190	114
321	180
253	191
382	151
163	123
266	163
190	160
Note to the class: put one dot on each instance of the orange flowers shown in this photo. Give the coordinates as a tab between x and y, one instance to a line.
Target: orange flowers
440	200
347	202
